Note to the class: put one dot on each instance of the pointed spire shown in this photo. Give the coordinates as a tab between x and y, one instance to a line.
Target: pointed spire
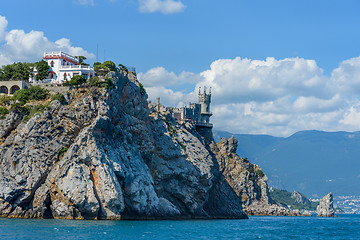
210	91
199	90
205	90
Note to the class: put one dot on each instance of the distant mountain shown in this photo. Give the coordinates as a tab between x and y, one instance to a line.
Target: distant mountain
313	162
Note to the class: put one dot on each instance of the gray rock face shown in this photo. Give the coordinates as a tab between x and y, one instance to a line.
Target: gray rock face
106	155
246	180
300	198
326	208
103	156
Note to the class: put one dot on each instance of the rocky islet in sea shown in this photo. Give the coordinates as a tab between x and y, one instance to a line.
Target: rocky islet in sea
325	207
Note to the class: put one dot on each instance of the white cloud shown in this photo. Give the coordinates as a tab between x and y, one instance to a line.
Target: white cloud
3	25
254	80
277	97
346	76
85	2
21	46
159	76
163	6
168	97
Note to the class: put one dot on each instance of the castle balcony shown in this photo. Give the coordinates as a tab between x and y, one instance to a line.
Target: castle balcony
208	125
207	113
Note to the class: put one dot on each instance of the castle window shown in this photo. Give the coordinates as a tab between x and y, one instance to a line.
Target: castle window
52	64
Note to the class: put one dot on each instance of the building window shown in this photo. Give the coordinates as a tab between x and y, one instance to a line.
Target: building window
52	64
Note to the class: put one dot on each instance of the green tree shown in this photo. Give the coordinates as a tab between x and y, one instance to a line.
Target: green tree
97	66
75	80
81	59
109	65
16	71
122	67
42	70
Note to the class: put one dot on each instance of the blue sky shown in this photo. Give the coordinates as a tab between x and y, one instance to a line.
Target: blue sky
276	67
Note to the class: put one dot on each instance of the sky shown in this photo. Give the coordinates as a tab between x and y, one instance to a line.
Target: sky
275	66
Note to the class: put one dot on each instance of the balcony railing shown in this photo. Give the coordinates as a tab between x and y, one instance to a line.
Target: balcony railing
60	54
79	67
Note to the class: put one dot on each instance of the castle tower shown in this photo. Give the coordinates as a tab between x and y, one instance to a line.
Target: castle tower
204	101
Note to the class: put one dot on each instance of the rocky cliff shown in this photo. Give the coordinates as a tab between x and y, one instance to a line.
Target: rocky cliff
325	207
104	155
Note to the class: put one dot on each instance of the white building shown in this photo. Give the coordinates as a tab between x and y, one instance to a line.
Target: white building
63	67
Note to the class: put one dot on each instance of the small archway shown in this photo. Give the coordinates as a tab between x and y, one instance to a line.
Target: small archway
4	89
14	89
52	75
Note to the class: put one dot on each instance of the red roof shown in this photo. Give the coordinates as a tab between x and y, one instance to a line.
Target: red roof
51	72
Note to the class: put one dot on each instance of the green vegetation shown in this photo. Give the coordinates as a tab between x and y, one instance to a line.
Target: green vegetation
58	96
42	68
3	112
32	93
284	197
16	71
22	71
107	66
142	90
172	130
19	108
5	100
260	173
182	146
63	151
81	59
75	80
122	67
97	82
31	111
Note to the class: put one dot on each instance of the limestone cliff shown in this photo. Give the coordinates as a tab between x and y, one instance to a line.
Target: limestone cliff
325	207
104	155
246	180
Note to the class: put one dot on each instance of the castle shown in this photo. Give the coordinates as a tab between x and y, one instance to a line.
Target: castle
63	67
197	113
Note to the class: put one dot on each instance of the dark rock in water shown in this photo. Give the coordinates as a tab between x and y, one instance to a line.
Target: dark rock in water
326	208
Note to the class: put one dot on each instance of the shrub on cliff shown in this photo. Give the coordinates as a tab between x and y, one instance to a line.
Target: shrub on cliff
96	82
5	100
105	67
75	80
32	93
122	67
142	90
58	96
3	112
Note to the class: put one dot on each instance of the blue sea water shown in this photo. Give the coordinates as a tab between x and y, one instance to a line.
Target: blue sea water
342	227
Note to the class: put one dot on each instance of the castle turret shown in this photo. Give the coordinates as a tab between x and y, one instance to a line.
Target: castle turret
204	101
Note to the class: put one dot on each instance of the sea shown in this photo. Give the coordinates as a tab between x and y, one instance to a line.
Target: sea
342	227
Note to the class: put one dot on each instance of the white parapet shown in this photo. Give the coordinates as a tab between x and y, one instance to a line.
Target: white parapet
60	54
